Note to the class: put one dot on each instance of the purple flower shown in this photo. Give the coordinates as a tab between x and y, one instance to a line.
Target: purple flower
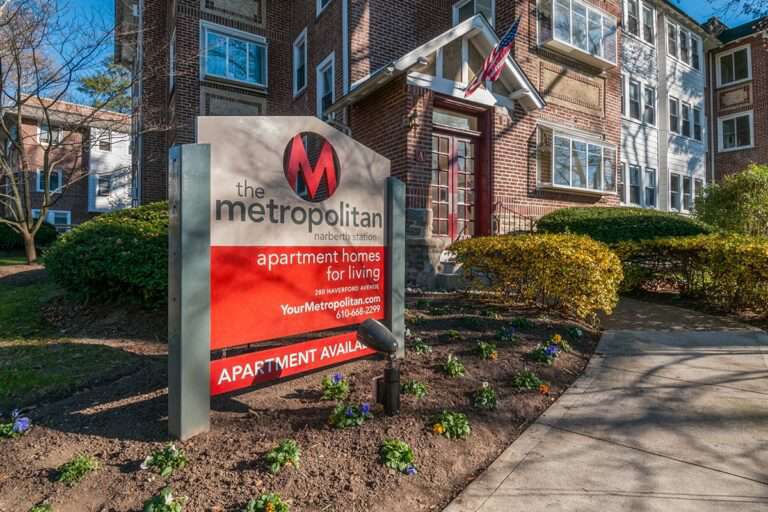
21	424
410	470
350	412
337	377
551	350
365	408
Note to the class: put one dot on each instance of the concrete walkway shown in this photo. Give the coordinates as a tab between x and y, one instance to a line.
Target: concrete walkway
671	415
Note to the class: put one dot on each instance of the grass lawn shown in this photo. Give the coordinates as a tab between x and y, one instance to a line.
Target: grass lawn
12	258
34	363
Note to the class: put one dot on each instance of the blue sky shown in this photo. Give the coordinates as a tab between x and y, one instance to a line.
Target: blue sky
702	10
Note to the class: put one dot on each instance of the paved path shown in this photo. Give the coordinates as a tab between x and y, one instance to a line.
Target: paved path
671	415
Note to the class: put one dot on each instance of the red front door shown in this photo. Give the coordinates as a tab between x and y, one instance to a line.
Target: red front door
454	183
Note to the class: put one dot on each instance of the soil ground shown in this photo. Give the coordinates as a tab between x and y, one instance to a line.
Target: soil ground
121	420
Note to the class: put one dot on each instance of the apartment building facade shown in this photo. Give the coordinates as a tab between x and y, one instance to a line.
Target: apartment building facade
393	75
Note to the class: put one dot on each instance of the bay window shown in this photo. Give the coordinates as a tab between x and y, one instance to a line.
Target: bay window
579	30
568	161
234	55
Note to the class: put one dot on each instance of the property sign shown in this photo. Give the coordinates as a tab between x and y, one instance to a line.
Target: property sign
298	234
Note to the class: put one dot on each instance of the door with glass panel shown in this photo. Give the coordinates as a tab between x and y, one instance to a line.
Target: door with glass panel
452	192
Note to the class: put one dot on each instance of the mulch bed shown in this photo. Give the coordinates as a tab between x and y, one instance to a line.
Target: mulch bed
121	422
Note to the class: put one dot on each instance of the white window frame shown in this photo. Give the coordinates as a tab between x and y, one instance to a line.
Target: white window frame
672	175
40	175
720	134
461	3
589	8
49	215
108	178
646	187
686	119
640	189
732	51
687	192
639	117
677	131
677	56
301	40
205	27
644	6
319	7
655	106
106	133
673	27
51	131
588	142
701	124
329	61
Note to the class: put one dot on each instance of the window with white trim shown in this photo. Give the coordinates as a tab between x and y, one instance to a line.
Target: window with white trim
698	189
734	66
578	25
465	9
649	105
321	5
674	115
103	186
56	181
695	55
650	187
635	185
105	140
622	182
633	17
735	131
649	25
687	193
698	130
49	134
640	20
672	39
685	49
300	63
568	161
55	217
675	185
326	85
234	55
686	117
684	45
634	100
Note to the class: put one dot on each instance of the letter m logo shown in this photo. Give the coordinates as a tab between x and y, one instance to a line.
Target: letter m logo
304	178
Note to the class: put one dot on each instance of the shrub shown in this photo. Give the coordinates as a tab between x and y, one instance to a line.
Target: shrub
527	380
10	240
165	461
77	469
485	397
398	455
271	502
335	388
569	273
165	502
453	367
287	452
486	350
344	415
453	425
419	346
121	255
739	203
726	271
41	508
415	388
613	225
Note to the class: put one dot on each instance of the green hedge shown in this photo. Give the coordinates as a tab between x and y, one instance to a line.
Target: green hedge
116	256
726	271
614	225
10	240
568	273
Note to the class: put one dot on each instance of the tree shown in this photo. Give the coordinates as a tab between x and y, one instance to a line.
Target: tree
109	86
42	55
739	204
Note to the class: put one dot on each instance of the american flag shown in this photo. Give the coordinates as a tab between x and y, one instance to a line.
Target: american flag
494	63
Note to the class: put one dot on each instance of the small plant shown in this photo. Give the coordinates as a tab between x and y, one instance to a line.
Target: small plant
165	502
345	415
545	353
271	502
166	460
18	426
544	388
398	455
415	388
485	397
287	452
453	367
419	346
487	350
575	332
521	323
454	335
335	388
527	380
41	508
453	425
561	343
77	469
507	334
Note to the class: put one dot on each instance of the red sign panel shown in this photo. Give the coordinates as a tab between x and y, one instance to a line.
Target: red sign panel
234	373
264	293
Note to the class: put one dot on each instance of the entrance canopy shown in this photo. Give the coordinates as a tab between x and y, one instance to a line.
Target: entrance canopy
447	63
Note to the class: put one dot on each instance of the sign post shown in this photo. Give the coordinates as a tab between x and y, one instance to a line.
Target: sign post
282	228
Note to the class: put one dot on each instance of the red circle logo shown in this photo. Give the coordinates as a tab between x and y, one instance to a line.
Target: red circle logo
311	167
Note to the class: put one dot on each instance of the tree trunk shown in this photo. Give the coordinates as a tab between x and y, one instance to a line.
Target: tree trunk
29	247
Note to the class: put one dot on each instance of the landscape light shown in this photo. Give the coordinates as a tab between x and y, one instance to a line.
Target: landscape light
375	335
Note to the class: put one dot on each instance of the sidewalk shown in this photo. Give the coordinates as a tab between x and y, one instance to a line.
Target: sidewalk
671	415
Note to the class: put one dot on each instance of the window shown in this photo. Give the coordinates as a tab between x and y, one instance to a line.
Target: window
576	25
674	191
650	188
242	58
567	161
633	17
321	5
649	25
686	113
687	194
300	63
634	100
695	56
685	54
623	182
634	185
105	140
649	115
326	86
697	128
674	115
465	9
55	217
698	190
49	134
56	181
736	132
672	40
734	66
103	186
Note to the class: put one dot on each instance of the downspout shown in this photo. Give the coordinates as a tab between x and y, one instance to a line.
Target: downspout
712	120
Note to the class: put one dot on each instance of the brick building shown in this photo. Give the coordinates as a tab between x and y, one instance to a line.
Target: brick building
91	151
392	74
